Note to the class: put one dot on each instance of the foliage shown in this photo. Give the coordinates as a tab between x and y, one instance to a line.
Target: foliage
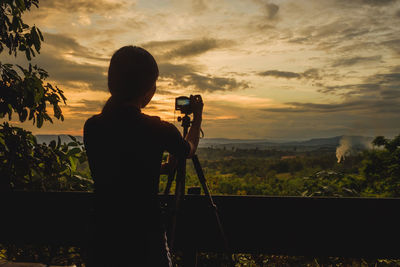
25	164
381	167
23	90
61	256
40	167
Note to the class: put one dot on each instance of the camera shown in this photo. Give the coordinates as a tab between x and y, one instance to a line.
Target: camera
183	104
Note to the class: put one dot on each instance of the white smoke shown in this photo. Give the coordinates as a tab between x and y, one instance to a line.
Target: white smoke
350	144
343	149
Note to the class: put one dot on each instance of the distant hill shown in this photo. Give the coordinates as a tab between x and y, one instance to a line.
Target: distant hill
312	144
329	143
47	138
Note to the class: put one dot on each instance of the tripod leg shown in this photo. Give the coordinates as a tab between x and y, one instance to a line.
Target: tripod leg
203	183
171	176
179	195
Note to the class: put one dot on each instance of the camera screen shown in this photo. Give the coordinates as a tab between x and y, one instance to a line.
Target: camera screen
183	102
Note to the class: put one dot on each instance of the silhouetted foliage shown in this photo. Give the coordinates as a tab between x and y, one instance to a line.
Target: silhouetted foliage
40	167
25	164
23	90
381	167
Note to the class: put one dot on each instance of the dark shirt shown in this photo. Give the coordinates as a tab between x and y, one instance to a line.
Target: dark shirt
124	149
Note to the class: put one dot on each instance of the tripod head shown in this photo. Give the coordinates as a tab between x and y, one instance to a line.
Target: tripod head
186	122
184	105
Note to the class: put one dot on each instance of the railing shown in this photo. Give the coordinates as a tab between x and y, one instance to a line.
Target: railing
354	227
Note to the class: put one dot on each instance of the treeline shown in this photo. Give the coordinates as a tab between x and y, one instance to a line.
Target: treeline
368	173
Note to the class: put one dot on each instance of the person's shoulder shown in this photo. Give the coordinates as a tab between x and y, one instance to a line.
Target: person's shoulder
93	121
151	118
158	122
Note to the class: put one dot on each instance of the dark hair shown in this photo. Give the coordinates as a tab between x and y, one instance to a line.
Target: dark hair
132	72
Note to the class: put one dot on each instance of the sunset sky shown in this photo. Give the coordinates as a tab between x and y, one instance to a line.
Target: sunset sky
288	69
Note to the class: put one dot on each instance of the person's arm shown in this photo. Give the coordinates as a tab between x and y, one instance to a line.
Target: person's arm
193	135
173	141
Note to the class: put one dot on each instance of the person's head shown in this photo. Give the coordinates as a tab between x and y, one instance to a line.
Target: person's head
132	75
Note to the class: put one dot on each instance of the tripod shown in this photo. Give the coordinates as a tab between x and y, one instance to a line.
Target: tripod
180	187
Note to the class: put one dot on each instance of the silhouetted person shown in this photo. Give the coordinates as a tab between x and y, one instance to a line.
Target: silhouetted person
125	148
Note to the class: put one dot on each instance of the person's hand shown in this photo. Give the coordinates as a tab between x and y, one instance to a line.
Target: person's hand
196	103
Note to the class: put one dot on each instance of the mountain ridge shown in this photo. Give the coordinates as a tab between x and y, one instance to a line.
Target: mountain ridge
244	143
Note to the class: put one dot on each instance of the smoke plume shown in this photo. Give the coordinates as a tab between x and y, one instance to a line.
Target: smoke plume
343	149
351	144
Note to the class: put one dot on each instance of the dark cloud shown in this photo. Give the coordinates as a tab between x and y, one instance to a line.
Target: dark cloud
365	2
316	107
311	74
346	62
66	71
170	49
69	72
212	83
380	85
272	10
393	44
396	68
194	48
66	44
72	6
380	94
386	78
367	105
350	35
378	2
280	74
351	89
188	76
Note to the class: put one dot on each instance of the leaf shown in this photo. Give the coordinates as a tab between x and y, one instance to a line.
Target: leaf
52	144
58	142
31	114
40	34
57	111
21	4
73	162
10	111
23	115
39	121
73	151
72	137
2	141
35	38
72	144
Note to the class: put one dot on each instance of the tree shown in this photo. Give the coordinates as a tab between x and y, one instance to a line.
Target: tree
25	164
381	167
23	90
